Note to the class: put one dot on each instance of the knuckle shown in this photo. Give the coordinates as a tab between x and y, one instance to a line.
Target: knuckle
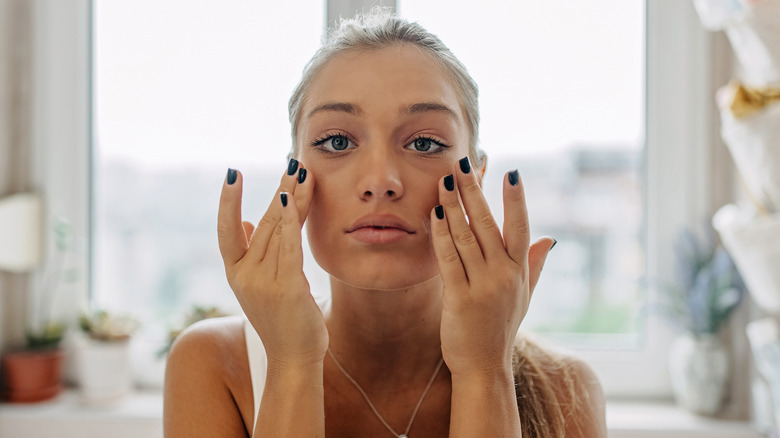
472	188
450	257
466	237
486	220
223	231
267	221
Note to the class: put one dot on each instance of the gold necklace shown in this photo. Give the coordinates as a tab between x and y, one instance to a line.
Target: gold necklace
371	405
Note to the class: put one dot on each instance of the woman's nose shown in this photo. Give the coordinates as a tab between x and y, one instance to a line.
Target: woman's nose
380	177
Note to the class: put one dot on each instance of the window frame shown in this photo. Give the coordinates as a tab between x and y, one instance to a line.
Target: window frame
681	126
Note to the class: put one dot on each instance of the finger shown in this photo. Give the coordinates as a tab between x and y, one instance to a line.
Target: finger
481	219
537	255
516	228
258	246
304	191
450	266
464	239
290	250
232	240
249	228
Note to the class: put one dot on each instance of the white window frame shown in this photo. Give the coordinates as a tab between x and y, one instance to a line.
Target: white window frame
680	123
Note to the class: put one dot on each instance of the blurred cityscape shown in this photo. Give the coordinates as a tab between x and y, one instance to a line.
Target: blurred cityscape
156	253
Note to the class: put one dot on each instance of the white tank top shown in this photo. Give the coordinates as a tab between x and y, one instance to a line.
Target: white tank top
258	362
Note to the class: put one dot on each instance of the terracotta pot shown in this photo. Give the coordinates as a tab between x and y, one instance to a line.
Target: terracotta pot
32	376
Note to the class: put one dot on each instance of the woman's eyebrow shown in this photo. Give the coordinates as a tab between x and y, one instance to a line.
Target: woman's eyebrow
431	107
344	107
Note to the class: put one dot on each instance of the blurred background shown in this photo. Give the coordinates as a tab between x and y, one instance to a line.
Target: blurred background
119	119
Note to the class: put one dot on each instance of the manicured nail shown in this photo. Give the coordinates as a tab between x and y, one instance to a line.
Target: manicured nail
465	166
284	199
514	177
292	166
439	211
301	175
231	176
449	183
555	242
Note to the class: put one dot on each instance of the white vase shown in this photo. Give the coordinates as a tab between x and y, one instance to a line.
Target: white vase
104	370
699	369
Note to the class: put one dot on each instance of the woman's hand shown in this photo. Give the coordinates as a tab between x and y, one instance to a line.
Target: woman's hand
264	267
488	278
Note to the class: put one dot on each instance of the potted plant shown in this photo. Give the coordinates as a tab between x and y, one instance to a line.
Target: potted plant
103	356
197	313
707	291
34	373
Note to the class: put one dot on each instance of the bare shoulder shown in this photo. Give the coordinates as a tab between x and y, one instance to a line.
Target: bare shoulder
205	380
574	384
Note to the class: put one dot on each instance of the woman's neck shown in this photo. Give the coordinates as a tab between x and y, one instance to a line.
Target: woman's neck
386	335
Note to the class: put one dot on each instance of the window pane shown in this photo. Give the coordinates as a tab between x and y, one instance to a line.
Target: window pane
562	99
183	90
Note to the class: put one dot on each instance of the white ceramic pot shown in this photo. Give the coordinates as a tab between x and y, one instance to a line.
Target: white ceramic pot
104	370
699	369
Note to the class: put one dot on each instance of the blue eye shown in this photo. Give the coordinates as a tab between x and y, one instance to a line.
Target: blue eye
426	145
339	143
333	143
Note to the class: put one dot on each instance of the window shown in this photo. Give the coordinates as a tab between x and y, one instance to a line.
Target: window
181	94
562	99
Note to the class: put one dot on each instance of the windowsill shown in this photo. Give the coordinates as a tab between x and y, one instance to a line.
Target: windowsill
141	415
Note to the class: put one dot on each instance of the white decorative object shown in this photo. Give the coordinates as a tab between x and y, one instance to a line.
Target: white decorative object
755	39
20	232
699	370
754	144
104	370
754	244
764	337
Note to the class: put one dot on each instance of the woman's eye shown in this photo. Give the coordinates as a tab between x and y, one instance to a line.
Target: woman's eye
333	143
339	143
423	144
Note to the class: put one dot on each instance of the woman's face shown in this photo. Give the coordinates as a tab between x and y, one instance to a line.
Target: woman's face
378	130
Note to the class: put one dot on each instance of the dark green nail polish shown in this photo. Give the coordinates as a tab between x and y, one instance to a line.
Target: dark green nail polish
439	211
231	176
449	183
284	199
301	175
465	166
555	242
514	177
292	166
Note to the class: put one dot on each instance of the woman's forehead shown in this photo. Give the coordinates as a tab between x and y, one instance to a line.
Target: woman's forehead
394	79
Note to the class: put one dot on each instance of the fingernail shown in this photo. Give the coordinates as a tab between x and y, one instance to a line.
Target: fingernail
514	177
449	183
439	211
284	199
555	242
301	175
231	176
465	166
292	166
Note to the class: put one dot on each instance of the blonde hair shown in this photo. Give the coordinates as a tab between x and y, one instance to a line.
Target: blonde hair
379	29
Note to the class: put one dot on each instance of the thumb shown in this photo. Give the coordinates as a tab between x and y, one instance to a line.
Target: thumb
537	255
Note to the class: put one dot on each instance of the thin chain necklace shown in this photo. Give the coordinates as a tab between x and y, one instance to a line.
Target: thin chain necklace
371	405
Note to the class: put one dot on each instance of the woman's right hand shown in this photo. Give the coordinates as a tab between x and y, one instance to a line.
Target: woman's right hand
264	267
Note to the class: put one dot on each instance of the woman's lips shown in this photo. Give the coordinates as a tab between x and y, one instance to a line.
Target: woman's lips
377	236
380	229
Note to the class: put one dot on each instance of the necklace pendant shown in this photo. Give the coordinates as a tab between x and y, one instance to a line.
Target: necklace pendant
403	436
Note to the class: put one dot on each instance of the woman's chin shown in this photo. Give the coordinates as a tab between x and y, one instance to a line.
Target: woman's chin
386	280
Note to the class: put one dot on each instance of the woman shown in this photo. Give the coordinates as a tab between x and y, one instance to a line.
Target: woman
419	337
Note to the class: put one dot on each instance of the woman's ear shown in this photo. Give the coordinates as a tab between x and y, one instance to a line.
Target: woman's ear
481	170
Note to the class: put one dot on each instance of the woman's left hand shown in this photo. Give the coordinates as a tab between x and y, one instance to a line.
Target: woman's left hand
488	278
